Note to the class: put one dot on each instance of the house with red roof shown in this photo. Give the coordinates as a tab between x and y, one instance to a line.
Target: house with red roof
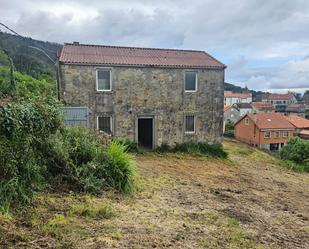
268	131
231	98
258	107
148	95
280	101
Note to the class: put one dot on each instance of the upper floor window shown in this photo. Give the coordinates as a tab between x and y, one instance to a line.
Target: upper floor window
190	81
266	134
105	123
277	134
285	134
246	121
189	123
103	81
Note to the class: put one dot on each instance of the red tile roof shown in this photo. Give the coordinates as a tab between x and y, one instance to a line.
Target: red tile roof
133	56
297	121
226	107
277	96
270	121
304	132
262	106
237	95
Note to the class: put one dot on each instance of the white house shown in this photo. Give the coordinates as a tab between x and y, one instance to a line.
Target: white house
231	98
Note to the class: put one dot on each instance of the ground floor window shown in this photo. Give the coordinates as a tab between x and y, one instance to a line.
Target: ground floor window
104	123
189	123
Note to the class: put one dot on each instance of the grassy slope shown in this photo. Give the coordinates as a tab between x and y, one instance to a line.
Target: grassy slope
247	201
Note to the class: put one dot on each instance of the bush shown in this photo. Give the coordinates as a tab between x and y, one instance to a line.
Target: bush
297	152
131	146
214	150
229	129
24	128
121	169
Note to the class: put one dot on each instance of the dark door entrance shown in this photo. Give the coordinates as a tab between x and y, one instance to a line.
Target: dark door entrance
145	133
274	147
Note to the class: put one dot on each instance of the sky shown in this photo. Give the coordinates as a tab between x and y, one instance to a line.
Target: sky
265	44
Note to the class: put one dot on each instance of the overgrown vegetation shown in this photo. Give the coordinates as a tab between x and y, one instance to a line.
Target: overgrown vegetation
229	129
203	149
296	154
37	151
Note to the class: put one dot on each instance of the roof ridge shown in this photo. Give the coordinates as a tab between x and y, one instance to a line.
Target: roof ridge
142	48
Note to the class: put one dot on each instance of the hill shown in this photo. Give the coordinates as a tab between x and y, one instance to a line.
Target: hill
26	59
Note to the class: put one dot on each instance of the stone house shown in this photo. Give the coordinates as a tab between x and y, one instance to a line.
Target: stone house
151	96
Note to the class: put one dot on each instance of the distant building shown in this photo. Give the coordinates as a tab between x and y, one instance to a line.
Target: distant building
280	101
231	98
231	114
305	99
264	130
243	108
298	109
258	107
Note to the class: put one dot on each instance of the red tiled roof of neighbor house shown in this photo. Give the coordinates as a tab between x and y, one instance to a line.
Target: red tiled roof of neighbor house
243	105
226	107
269	121
277	96
297	121
133	56
237	95
304	132
262	106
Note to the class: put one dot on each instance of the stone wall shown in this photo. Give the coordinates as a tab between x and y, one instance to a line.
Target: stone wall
158	92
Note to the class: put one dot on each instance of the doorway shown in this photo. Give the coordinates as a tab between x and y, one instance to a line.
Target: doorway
145	132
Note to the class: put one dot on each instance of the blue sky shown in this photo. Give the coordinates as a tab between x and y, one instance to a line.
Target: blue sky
265	44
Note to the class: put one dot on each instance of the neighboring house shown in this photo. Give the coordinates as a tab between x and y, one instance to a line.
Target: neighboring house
305	98
231	114
243	108
280	101
258	107
151	96
301	125
298	109
231	98
264	130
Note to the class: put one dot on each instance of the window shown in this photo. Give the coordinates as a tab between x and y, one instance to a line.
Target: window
246	121
285	134
104	123
190	124
277	134
104	80
190	81
266	134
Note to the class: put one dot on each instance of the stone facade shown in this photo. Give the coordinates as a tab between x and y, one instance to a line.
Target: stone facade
153	92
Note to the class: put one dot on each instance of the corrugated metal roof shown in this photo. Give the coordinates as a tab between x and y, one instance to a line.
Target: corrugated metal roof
133	56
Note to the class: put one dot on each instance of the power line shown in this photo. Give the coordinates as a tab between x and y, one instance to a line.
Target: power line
33	47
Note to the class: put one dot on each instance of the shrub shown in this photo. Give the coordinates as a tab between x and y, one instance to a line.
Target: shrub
131	146
229	129
24	128
163	148
215	150
121	170
297	152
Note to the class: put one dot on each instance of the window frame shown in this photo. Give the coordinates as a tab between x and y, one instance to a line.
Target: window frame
285	132
194	124
246	121
111	122
277	132
110	80
196	80
266	136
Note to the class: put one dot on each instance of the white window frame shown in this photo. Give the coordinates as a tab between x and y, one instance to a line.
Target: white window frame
110	80
265	134
285	134
194	124
196	79
277	132
246	121
111	122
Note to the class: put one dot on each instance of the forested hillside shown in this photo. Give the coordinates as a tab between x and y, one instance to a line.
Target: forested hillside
26	59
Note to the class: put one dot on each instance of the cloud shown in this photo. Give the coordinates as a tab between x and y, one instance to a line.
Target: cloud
264	43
